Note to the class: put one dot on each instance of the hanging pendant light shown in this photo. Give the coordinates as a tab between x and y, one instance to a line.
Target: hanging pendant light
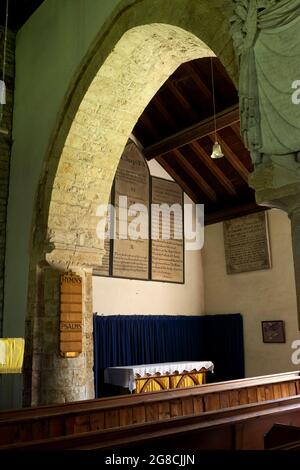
216	150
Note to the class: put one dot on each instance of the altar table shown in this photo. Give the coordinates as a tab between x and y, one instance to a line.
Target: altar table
154	377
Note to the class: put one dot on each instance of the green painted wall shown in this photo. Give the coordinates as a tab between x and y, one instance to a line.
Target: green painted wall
50	51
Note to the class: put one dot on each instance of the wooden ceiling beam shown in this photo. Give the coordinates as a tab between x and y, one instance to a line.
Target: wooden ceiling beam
236	129
202	129
182	100
184	186
148	123
232	158
213	168
197	79
232	212
166	114
190	170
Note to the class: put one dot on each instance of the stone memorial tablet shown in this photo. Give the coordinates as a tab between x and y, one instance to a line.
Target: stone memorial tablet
167	261
247	243
131	256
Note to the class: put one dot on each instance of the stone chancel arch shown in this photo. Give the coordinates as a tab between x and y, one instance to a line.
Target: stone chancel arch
131	75
59	51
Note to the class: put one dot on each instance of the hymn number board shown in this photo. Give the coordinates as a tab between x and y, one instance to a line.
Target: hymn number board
70	314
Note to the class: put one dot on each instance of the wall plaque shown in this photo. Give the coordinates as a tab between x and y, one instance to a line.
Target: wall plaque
167	261
70	314
104	269
130	257
247	243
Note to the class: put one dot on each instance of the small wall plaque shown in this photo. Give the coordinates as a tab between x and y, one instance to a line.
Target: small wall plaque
70	315
273	331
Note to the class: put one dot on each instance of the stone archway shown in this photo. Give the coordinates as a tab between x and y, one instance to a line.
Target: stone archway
78	178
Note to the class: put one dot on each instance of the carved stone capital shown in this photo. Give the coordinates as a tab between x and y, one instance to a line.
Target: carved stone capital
276	182
63	257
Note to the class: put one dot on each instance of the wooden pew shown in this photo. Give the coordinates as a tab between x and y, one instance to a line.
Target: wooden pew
281	436
31	424
237	428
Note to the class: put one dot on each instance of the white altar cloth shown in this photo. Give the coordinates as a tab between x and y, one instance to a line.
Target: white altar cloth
125	376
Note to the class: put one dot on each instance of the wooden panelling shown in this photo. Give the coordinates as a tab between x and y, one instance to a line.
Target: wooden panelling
126	416
164	411
139	414
187	406
241	428
112	419
212	402
176	408
252	395
234	398
152	412
261	393
277	391
109	413
225	399
82	424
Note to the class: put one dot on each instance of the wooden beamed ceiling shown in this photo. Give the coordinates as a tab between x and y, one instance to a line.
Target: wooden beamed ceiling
177	129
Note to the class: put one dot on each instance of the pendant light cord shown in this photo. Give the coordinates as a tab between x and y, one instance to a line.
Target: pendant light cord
213	96
5	42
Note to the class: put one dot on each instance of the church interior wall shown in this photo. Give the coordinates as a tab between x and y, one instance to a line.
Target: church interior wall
112	296
50	88
257	295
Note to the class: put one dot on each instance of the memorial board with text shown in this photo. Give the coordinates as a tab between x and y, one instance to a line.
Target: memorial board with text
247	243
130	257
167	260
143	258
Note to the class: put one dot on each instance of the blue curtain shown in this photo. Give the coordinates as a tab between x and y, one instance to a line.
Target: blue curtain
122	340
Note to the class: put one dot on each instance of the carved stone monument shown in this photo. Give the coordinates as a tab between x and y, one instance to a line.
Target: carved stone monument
266	35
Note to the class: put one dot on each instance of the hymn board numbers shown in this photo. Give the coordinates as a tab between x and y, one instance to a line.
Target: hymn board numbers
70	314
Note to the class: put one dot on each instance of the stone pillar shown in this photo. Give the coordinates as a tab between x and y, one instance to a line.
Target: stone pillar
50	378
295	227
277	185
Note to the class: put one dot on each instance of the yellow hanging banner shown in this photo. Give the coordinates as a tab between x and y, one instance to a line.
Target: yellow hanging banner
11	355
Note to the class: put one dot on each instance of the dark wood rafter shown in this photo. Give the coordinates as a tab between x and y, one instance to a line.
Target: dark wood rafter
213	168
198	81
202	129
164	112
182	100
203	185
186	188
236	129
233	159
232	212
149	125
177	129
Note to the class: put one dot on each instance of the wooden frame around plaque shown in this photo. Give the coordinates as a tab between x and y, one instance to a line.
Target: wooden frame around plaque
70	314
